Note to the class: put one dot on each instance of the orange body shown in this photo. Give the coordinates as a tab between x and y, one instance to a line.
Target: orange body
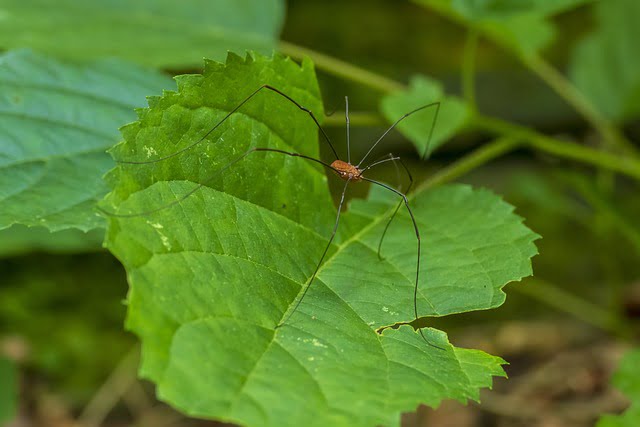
346	170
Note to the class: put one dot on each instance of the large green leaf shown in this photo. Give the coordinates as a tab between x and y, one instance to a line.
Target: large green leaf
213	275
8	390
160	33
606	65
58	119
521	26
422	91
627	380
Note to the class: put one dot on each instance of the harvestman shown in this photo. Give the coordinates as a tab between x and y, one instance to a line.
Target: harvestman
345	170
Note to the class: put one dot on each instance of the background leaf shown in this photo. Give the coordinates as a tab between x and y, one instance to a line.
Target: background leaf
150	32
453	115
627	380
243	246
606	66
59	118
8	390
520	26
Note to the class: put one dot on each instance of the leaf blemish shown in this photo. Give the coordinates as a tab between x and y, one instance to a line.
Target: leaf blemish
150	151
318	343
164	239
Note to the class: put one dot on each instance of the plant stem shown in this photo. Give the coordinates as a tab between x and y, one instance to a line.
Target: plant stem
472	161
341	68
469	68
111	390
582	105
560	84
625	165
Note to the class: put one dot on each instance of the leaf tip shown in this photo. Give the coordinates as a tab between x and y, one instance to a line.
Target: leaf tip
233	58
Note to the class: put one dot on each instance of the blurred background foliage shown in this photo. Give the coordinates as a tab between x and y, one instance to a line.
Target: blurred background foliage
566	69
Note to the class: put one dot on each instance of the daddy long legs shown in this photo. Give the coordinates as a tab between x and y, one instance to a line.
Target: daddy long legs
346	170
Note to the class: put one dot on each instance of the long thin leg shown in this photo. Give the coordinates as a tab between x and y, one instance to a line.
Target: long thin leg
395	212
346	114
388	158
313	276
391	157
435	118
211	178
190	146
415	227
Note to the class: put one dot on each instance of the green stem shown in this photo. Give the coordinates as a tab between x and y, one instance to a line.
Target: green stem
472	161
560	84
341	68
108	395
624	165
584	310
469	68
582	105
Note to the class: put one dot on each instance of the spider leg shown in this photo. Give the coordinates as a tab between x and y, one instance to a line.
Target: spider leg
346	115
391	158
395	212
417	232
326	249
210	131
386	158
433	124
211	178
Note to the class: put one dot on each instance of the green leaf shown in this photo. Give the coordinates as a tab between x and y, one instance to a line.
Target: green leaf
520	26
453	115
8	390
157	33
627	380
605	65
213	275
58	120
